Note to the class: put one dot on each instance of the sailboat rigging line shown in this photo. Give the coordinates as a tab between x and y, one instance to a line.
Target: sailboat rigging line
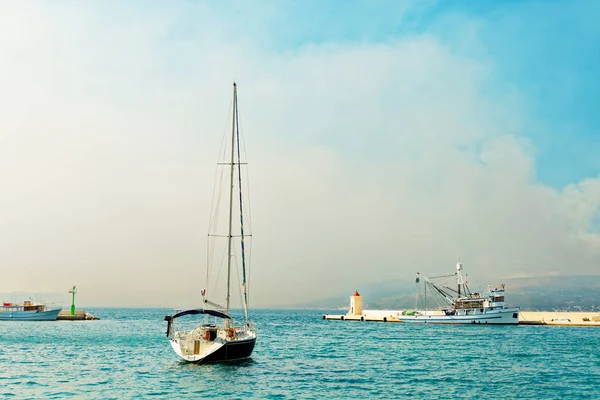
222	149
214	205
237	271
248	213
241	208
210	244
248	208
231	197
219	269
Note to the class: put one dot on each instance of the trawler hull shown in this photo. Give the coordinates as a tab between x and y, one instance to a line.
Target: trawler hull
507	316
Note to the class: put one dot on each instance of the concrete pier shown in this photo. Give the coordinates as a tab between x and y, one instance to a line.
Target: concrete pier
80	315
356	312
566	318
368	315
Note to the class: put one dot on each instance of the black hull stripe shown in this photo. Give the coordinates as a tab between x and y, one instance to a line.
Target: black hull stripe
231	351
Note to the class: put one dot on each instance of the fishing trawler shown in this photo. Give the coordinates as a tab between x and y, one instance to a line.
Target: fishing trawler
218	337
29	311
465	307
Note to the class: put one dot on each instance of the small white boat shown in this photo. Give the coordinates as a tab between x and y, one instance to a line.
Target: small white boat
29	311
466	307
217	337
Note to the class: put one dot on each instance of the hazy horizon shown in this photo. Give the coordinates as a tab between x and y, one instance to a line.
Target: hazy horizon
382	139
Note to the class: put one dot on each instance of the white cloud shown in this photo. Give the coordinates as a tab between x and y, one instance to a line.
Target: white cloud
367	161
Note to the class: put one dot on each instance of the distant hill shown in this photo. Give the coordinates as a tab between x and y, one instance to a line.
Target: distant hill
568	293
565	293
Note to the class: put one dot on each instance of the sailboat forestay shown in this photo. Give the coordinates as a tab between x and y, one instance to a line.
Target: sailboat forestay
218	337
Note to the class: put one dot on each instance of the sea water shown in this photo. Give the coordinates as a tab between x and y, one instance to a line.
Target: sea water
298	355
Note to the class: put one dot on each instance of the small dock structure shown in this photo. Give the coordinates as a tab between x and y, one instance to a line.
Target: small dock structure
356	312
73	314
80	315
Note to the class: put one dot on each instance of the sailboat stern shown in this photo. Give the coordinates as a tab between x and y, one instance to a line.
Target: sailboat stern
208	345
230	351
211	342
194	349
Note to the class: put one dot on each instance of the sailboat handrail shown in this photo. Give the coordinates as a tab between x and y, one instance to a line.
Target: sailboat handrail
196	311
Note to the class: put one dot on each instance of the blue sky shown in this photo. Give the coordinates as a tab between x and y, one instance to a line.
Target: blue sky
549	51
545	50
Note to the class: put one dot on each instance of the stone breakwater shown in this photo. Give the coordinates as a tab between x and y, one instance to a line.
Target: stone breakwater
80	315
566	318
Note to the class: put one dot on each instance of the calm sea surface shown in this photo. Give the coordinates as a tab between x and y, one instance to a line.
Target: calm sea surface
298	355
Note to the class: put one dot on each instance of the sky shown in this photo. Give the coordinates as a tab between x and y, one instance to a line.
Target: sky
383	138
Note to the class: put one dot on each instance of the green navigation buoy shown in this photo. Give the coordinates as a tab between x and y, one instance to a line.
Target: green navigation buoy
73	291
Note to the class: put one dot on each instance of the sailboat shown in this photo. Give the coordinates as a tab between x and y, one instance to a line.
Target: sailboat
218	337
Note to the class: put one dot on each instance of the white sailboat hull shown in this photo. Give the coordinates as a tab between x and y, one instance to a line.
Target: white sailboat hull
505	316
196	349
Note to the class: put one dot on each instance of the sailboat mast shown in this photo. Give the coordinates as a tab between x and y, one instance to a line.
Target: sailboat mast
239	164
229	235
